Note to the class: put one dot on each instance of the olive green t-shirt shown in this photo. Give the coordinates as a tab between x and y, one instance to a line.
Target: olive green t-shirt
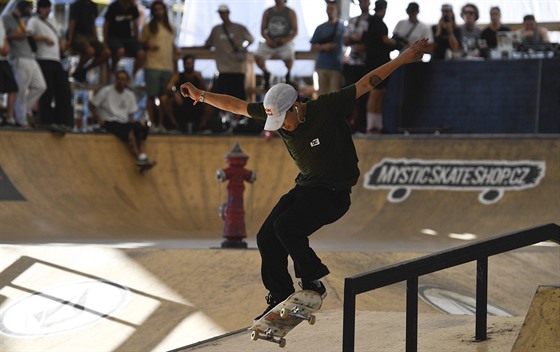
322	146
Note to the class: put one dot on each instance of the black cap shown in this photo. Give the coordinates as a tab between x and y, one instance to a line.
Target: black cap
43	3
413	7
23	4
380	5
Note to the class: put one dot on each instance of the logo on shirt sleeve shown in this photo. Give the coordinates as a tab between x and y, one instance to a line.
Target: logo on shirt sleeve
315	142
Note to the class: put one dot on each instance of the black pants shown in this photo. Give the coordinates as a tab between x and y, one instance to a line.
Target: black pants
122	131
55	105
285	232
230	83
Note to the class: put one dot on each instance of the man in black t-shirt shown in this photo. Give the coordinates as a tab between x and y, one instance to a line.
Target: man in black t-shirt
82	36
319	140
120	32
378	46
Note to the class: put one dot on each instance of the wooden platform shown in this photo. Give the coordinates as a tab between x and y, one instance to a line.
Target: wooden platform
541	329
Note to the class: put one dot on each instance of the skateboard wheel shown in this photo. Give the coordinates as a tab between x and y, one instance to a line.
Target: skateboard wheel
255	335
282	342
312	320
284	313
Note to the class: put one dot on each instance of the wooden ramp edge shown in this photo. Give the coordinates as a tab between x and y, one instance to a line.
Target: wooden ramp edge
541	328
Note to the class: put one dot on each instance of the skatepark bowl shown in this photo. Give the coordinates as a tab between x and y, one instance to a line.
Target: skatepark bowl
95	256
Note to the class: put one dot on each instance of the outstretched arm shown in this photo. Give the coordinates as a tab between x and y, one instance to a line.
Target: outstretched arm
412	54
220	101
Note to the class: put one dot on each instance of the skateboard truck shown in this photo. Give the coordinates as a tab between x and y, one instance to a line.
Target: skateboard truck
297	312
269	336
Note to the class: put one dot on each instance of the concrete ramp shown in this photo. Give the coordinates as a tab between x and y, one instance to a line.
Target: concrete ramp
67	298
541	329
376	331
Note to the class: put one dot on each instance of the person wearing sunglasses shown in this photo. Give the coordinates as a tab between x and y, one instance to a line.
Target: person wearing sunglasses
470	33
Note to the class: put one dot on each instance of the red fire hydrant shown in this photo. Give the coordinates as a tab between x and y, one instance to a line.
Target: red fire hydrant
233	212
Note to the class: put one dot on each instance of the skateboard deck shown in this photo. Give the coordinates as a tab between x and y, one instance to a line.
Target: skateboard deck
285	316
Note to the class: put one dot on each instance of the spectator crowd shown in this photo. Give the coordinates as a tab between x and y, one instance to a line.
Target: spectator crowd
37	86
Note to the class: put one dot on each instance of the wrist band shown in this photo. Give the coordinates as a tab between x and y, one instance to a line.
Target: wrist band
199	99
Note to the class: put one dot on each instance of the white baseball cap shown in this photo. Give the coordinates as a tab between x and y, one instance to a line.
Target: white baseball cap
276	102
223	8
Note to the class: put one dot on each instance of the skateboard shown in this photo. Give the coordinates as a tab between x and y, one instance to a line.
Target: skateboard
145	167
285	316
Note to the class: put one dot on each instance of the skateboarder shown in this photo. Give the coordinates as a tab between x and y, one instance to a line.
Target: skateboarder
319	139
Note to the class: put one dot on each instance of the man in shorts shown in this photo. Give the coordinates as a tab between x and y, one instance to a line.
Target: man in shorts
160	67
82	38
229	41
378	46
278	28
120	32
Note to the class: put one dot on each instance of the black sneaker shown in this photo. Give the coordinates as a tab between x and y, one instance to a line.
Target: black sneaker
316	286
288	79
266	78
271	304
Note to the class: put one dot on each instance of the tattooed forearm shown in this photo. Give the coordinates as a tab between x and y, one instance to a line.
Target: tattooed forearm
374	80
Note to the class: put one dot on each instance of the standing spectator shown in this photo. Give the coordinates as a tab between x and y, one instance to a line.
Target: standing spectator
490	33
82	38
229	40
470	33
355	67
533	33
278	28
55	105
447	35
188	115
378	45
30	81
120	32
158	38
8	83
327	42
410	30
114	107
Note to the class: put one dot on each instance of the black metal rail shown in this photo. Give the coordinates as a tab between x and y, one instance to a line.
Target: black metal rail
409	271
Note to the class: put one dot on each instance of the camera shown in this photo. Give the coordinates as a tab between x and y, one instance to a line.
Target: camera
446	18
401	42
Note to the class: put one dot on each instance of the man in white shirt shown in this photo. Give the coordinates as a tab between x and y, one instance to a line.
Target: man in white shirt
8	84
114	107
410	30
47	34
29	77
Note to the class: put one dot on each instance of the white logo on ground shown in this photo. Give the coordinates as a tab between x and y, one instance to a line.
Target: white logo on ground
63	308
451	302
489	177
